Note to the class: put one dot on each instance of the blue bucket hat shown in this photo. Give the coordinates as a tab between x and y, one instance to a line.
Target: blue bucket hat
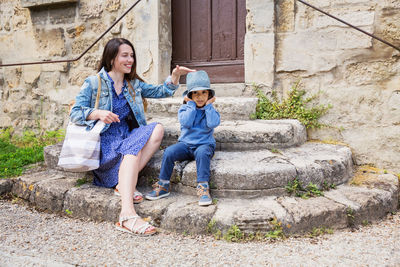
197	81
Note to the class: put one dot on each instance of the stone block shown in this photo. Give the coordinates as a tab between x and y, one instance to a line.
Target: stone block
50	194
6	186
251	216
91	202
237	170
5	121
53	67
186	215
285	15
63	14
50	42
313	213
25	39
300	52
37	3
26	184
259	55
260	58
31	73
356	18
81	44
369	204
364	73
261	170
260	22
318	163
154	210
90	10
113	5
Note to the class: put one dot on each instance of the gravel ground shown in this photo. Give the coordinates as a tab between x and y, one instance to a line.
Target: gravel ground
32	238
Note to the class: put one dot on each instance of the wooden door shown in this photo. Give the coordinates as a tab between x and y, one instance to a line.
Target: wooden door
209	35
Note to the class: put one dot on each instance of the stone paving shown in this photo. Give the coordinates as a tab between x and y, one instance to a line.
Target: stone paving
347	205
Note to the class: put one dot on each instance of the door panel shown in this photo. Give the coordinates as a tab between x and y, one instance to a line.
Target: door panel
209	35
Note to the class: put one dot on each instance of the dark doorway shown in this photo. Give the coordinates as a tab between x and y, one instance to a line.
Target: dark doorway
209	35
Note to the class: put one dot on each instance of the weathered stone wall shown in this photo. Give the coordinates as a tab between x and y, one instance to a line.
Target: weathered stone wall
358	75
37	96
285	42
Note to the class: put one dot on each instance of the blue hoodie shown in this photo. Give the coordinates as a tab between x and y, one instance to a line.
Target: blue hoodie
197	124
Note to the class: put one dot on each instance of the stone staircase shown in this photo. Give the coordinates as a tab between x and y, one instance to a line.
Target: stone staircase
254	162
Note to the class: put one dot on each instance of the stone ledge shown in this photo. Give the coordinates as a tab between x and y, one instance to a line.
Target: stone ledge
263	173
240	135
38	3
251	173
180	212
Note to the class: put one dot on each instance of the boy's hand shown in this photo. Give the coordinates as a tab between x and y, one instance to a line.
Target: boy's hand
212	100
187	99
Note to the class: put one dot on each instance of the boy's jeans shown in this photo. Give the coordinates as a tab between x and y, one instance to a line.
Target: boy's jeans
180	152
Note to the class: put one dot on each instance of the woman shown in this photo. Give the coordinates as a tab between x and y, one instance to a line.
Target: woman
127	142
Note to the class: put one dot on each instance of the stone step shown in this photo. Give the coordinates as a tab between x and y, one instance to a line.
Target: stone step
230	108
251	174
345	206
221	90
262	173
245	135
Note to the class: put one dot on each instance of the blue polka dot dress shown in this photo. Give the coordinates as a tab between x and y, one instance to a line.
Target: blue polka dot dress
118	141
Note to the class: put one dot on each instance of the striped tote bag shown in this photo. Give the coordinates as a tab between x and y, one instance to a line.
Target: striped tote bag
81	148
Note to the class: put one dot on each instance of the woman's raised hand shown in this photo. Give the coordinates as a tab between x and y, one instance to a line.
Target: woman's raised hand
105	116
178	71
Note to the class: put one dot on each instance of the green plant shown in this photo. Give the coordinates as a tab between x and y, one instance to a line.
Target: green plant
313	190
215	201
16	152
277	230
293	107
81	181
212	185
320	231
365	222
350	217
326	186
213	229
274	150
295	187
67	211
234	234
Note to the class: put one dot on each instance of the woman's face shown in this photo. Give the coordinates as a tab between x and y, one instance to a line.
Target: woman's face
124	59
200	97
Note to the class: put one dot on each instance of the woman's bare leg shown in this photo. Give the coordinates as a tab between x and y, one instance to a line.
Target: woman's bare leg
128	175
152	145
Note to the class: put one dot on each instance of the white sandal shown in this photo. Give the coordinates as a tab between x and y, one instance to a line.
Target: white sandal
137	196
139	230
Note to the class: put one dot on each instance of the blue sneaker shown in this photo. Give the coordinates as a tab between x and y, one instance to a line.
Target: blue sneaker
160	190
203	191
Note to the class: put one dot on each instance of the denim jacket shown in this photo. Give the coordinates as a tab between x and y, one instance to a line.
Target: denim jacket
85	100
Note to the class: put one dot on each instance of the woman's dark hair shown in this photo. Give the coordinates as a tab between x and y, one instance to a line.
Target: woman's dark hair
110	53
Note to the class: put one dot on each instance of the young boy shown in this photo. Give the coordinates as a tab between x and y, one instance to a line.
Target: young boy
198	118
